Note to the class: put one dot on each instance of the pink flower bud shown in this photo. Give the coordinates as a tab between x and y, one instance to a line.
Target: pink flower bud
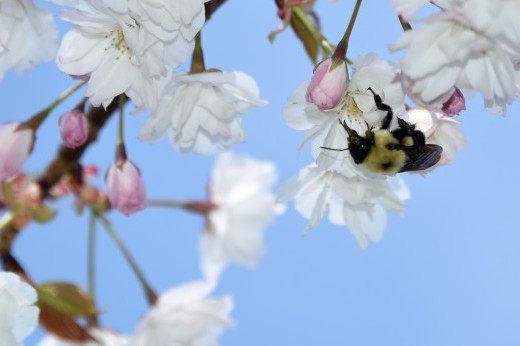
16	143
328	85
74	128
455	103
125	187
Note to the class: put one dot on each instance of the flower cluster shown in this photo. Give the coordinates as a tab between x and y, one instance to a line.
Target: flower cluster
469	44
122	46
346	185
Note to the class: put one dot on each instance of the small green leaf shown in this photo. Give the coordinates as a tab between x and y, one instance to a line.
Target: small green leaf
43	214
68	299
306	36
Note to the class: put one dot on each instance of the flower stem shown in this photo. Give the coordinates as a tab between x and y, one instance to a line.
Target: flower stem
35	121
120	147
91	260
197	59
150	293
341	49
200	207
91	264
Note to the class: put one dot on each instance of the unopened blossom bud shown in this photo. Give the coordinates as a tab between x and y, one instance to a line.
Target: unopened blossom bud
74	128
328	85
125	187
16	144
455	104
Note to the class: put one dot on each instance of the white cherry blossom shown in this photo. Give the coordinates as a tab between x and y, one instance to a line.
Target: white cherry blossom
356	202
471	44
357	108
28	35
18	315
244	206
185	316
122	46
202	111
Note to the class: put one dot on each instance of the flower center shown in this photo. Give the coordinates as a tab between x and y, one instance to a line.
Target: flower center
352	110
116	40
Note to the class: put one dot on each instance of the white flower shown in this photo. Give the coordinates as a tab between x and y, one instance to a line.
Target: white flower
104	337
357	108
185	316
202	111
28	35
439	129
471	44
239	190
356	202
123	45
18	315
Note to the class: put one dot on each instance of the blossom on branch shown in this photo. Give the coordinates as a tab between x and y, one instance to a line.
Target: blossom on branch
18	315
202	111
357	107
244	206
352	195
74	128
125	187
123	45
328	84
28	35
470	44
185	316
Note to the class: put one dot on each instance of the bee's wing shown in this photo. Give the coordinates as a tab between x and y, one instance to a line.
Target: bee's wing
422	157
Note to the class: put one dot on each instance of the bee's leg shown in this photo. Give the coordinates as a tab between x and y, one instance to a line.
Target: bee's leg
384	107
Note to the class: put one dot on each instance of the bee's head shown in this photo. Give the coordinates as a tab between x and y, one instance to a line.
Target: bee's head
358	146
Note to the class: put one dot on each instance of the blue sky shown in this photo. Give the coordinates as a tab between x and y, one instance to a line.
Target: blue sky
446	273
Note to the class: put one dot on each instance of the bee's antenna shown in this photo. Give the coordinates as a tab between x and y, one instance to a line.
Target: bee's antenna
334	149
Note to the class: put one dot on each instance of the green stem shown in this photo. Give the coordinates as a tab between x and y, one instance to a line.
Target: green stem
40	117
197	58
91	260
150	294
341	49
120	147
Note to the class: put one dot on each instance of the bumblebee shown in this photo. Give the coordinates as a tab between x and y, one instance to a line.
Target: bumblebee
389	152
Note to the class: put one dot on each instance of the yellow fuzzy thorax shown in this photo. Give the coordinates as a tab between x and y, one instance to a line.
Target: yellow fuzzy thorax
380	159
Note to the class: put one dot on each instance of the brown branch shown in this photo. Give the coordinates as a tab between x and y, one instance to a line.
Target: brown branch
6	239
66	161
